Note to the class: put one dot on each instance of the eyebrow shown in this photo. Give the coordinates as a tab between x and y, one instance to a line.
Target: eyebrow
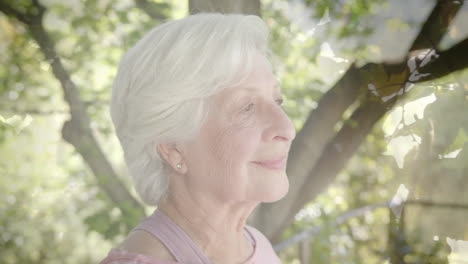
277	86
233	100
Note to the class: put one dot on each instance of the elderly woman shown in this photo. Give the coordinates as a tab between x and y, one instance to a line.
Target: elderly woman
197	110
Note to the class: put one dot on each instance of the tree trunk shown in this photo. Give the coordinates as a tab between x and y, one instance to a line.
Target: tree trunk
77	129
319	153
225	6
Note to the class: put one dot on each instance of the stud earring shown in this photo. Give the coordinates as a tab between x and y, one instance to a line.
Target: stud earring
178	166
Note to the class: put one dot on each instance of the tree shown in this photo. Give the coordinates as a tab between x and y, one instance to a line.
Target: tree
316	156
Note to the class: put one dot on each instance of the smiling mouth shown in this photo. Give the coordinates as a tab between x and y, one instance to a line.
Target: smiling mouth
275	165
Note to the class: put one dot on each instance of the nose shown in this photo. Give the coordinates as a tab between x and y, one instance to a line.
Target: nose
281	127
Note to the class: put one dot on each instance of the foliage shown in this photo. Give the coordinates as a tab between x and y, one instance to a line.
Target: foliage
45	198
47	192
50	200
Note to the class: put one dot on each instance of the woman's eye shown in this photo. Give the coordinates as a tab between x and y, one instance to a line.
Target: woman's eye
248	108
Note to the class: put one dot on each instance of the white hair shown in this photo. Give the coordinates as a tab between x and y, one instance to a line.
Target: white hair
161	91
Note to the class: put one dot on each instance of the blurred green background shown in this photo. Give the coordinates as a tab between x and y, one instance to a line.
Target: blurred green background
377	90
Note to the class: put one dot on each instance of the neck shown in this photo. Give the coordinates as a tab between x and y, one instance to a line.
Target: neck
216	227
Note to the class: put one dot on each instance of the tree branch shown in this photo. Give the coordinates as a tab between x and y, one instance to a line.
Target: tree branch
341	219
344	144
77	130
309	233
427	203
330	154
308	145
152	9
10	11
436	25
225	6
448	61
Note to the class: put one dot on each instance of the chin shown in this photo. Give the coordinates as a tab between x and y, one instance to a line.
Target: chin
276	192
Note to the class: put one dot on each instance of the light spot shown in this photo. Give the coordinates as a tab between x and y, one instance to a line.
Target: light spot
398	147
325	19
450	155
327	52
412	110
459	251
396	204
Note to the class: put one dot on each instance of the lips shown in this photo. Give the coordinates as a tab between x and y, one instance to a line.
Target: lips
273	164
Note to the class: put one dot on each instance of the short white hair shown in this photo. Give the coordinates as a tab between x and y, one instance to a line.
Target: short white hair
161	91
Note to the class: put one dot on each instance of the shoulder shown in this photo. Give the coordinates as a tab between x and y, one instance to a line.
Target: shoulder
264	249
140	247
260	238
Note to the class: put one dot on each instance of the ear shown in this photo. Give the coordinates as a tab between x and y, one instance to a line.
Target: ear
172	155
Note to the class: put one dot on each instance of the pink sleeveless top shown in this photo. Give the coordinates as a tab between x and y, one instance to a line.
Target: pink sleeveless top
183	248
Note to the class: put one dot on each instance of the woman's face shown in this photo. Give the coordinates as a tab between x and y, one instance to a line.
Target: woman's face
247	125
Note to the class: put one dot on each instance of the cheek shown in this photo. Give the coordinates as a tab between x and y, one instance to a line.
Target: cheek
236	145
